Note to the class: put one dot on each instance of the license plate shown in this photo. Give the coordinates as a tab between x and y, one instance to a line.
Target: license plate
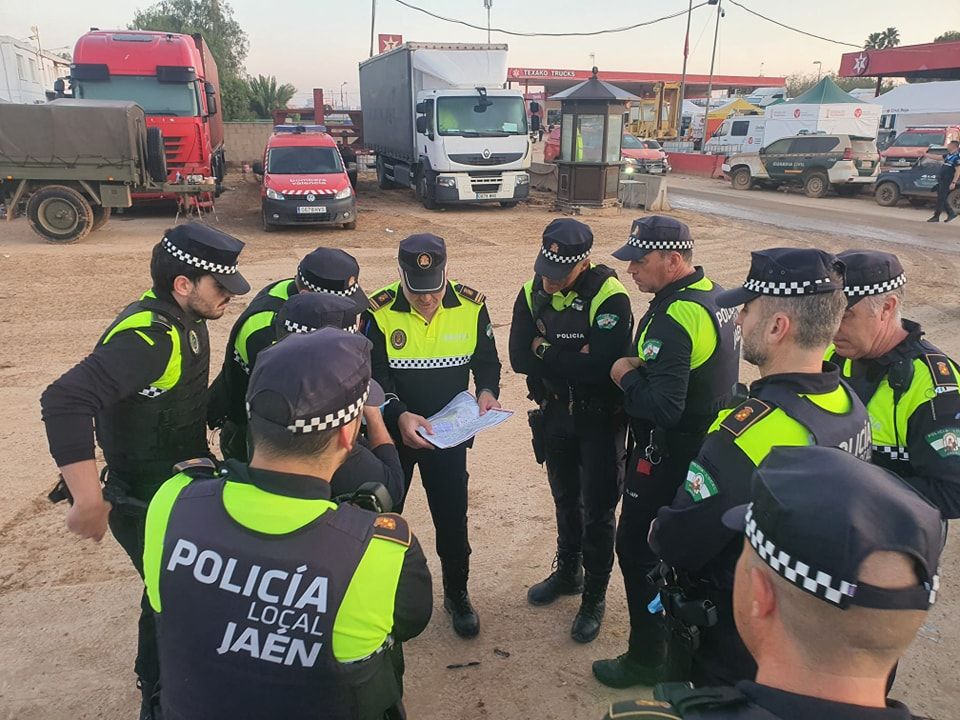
656	170
311	210
486	196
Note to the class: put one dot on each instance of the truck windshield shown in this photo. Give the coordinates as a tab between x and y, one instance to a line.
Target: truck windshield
459	116
918	139
304	161
156	98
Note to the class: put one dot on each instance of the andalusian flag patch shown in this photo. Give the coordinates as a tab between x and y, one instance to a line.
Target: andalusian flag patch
650	350
607	321
946	442
699	483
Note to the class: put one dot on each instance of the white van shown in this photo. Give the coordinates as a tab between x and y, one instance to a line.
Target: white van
737	134
761	97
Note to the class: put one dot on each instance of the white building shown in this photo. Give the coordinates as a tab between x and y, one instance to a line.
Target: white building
26	73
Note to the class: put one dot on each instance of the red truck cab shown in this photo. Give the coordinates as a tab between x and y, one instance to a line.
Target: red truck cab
173	78
305	180
913	143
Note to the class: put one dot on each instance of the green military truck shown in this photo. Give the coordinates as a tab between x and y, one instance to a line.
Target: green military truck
70	162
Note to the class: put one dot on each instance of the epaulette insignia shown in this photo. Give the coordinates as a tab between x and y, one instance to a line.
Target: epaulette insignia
198	467
631	709
392	527
745	415
382	298
944	379
470	294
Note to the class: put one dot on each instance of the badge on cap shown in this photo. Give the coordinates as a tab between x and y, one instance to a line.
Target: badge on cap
554	248
194	342
398	339
424	261
351	281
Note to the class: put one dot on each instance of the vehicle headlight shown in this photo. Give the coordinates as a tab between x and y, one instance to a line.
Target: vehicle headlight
274	195
344	194
629	170
523	179
629	161
447	181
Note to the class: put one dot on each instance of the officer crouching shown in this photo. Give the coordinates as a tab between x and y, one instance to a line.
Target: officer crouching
271	600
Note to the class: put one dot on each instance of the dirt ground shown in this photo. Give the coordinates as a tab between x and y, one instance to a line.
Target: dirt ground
68	608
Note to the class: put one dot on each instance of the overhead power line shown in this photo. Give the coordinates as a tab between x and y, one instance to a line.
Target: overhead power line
788	27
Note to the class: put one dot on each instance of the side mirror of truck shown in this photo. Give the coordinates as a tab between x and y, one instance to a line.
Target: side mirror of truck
423	107
211	93
423	126
257	168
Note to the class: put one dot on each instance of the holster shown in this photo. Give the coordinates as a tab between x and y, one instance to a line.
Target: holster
538	435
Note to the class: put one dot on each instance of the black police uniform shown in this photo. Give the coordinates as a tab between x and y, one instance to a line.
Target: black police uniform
325	270
944	179
691	352
271	600
583	419
786	409
818	548
910	392
424	365
145	385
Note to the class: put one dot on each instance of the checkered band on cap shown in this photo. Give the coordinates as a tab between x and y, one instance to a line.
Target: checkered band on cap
193	260
240	361
424	363
293	327
893	452
636	242
562	259
880	288
331	420
803	287
816	582
318	289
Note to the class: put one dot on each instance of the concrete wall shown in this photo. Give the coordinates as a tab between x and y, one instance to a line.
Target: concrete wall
244	141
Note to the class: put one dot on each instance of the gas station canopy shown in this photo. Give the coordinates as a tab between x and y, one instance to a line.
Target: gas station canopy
931	60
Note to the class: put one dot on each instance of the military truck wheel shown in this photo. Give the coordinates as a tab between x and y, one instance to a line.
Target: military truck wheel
953	201
100	216
59	214
887	194
816	184
156	159
740	179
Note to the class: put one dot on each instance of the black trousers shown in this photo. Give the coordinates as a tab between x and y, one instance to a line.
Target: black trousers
585	463
444	475
944	178
647	488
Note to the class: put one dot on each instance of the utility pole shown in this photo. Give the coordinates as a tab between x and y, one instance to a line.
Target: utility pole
819	68
488	4
713	58
343	104
373	22
683	74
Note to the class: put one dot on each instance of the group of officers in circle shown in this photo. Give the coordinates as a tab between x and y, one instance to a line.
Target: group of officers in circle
779	544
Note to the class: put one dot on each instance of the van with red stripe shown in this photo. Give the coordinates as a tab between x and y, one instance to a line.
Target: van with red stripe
304	180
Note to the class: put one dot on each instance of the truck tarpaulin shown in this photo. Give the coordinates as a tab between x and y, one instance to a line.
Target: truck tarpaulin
445	69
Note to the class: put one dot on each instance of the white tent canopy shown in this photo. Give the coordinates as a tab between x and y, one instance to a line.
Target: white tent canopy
823	108
932	97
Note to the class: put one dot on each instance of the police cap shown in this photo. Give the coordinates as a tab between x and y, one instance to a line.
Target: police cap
205	247
785	272
870	272
565	243
820	546
423	261
655	232
313	382
332	271
307	312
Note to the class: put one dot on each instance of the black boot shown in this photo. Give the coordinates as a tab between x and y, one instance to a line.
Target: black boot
566	579
456	600
586	625
623	672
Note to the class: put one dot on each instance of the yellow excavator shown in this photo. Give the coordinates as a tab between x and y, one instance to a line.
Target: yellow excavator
657	115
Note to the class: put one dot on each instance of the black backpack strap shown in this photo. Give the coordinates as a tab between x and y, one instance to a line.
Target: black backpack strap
685	698
593	279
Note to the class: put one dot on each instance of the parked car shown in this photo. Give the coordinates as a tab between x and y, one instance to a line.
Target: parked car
814	162
917	183
913	143
304	180
640	155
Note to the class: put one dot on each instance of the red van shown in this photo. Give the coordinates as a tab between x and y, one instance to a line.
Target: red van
913	143
304	180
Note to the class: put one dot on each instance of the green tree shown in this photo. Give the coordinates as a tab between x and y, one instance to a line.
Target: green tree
948	36
881	40
227	41
266	96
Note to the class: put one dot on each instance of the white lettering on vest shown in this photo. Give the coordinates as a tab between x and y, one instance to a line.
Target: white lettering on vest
208	577
725	315
315	595
275	648
268	577
184	553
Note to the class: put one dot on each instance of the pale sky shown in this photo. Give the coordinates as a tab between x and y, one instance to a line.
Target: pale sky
320	43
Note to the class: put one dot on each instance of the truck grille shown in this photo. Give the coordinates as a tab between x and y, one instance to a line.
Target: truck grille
475	159
485	182
173	149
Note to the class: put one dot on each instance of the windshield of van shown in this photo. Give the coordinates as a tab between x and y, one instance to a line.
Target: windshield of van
156	98
918	139
462	116
303	161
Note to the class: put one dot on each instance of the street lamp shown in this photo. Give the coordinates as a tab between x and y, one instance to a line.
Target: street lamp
343	104
683	74
713	58
488	4
819	68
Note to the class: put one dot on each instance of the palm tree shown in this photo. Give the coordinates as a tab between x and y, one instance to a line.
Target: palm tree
881	40
266	96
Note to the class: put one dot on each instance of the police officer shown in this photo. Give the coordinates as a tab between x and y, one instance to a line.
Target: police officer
374	457
271	600
428	334
683	373
325	270
570	323
792	304
145	384
826	597
947	180
908	385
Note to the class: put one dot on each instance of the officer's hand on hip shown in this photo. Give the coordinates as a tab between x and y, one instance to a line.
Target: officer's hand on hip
408	423
88	518
585	349
622	366
486	401
537	342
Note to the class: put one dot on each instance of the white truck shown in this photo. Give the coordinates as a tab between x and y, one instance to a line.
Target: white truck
761	97
441	122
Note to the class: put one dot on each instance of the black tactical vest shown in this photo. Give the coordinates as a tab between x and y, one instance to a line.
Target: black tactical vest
246	627
145	435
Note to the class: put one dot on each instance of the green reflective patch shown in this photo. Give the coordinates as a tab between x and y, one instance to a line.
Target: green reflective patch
946	442
607	321
650	350
699	483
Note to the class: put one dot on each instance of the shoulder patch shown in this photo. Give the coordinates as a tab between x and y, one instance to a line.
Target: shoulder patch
944	378
391	526
474	296
381	299
745	415
699	483
641	709
607	321
945	441
196	468
650	350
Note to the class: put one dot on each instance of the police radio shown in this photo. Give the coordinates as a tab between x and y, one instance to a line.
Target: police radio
372	496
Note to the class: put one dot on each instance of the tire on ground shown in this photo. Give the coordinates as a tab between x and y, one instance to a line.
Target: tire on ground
59	214
740	179
816	184
156	159
887	194
953	202
100	216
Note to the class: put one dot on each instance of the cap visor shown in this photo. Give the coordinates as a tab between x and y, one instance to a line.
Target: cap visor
629	253
375	395
234	282
734	297
548	269
423	282
736	518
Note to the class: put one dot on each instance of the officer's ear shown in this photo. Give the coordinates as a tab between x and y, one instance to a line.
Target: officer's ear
182	285
347	435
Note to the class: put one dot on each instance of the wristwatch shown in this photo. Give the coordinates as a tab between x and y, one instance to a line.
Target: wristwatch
541	349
